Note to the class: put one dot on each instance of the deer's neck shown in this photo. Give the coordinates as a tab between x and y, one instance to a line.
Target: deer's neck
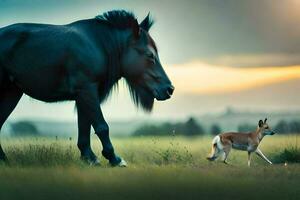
258	134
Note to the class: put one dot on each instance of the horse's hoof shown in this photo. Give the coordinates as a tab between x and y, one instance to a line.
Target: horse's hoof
123	163
117	162
91	162
94	162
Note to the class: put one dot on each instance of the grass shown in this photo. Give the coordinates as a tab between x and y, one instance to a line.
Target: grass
290	153
159	168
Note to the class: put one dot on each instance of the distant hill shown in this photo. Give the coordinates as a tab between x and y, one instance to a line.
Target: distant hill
267	98
69	129
228	120
231	118
277	101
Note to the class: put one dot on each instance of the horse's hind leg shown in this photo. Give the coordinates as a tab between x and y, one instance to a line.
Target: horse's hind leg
9	98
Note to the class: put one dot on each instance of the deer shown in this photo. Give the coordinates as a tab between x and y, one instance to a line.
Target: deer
224	142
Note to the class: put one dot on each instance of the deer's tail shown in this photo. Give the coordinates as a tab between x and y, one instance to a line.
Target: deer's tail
214	151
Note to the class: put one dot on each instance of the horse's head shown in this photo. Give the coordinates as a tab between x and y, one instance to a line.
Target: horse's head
142	69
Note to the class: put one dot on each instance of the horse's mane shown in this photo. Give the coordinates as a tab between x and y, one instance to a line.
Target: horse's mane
120	20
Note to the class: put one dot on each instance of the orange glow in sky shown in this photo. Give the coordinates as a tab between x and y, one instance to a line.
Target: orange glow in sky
200	78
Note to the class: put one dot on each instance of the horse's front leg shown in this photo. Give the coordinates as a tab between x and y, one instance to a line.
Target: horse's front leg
84	138
88	101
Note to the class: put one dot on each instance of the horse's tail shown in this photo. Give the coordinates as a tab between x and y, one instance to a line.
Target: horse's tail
213	154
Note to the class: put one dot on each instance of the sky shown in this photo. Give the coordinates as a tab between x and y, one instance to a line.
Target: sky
209	48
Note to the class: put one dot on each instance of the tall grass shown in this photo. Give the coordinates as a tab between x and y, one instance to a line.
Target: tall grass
290	153
158	151
159	168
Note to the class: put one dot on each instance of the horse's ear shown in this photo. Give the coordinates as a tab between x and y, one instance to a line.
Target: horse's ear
136	29
265	120
260	123
147	23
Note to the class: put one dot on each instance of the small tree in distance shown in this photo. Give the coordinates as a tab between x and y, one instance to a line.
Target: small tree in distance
282	127
24	128
246	127
188	128
215	129
193	128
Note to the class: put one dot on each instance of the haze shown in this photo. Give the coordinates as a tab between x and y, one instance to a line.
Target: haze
239	53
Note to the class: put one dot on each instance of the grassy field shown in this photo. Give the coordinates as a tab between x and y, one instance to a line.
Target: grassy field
159	168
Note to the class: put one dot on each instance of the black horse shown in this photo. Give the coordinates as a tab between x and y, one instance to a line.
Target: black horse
82	61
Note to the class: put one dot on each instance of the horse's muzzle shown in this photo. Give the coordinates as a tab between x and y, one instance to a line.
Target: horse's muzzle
170	90
164	93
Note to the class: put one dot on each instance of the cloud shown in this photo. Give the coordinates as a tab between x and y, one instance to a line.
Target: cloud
256	60
266	30
231	32
201	78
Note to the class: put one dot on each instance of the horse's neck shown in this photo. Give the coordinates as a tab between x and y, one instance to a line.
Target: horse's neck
113	42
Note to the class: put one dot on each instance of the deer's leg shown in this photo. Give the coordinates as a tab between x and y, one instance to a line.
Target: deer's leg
226	150
227	145
260	154
249	158
9	98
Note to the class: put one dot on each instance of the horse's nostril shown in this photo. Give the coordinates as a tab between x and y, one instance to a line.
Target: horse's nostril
170	90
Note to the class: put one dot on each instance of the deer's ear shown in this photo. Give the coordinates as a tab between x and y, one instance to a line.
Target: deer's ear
260	123
265	120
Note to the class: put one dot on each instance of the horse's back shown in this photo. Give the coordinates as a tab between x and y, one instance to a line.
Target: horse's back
40	59
18	33
23	43
44	45
49	61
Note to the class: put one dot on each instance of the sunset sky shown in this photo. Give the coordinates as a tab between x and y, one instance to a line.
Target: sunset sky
209	79
209	48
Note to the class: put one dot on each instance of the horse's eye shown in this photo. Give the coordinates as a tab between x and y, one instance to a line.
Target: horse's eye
141	52
151	57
